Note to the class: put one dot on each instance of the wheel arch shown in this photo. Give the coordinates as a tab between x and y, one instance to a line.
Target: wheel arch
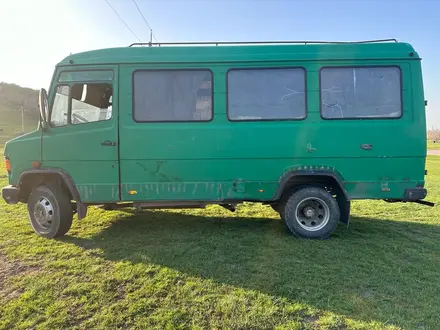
293	179
32	178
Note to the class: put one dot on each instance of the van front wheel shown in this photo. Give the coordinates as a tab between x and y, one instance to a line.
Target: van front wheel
311	212
50	211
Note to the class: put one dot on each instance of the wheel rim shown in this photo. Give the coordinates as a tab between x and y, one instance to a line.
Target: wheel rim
312	213
43	213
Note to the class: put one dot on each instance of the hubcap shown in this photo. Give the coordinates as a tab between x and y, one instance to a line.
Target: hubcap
309	212
312	213
43	213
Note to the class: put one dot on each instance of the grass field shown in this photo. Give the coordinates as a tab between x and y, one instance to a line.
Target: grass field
433	146
211	269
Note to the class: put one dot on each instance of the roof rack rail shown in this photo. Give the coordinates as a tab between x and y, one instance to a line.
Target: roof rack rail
305	42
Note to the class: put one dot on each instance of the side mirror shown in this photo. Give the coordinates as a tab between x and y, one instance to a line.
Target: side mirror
44	108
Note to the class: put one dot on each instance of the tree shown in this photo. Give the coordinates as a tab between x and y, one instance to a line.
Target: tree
434	135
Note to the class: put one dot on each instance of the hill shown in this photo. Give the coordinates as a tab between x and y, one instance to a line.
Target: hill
12	99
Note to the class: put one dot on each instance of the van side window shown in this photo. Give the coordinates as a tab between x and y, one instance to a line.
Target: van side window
91	103
60	107
172	95
361	92
266	94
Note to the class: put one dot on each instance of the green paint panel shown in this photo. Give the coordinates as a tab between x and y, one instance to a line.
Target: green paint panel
243	53
22	151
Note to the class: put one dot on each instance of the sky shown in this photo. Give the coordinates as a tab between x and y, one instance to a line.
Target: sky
37	34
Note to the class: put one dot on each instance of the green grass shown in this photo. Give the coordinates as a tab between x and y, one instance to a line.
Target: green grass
433	146
212	269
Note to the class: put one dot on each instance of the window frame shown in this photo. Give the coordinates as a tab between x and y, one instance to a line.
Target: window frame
57	83
171	121
52	104
362	66
306	105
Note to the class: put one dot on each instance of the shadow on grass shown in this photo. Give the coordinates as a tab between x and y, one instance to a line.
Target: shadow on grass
375	270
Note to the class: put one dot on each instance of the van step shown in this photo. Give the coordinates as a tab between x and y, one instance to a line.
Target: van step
169	205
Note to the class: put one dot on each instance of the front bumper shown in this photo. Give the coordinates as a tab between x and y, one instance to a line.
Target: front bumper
10	194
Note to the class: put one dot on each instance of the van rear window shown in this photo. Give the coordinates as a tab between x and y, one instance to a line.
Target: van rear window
172	95
266	94
361	92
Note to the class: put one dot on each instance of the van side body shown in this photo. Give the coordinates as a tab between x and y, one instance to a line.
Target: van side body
129	156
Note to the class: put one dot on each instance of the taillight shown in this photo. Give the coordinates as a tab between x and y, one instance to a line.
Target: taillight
8	165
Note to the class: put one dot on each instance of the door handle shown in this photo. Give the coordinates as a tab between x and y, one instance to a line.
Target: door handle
108	143
367	146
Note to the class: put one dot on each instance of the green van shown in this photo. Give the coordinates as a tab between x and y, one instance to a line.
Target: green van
305	128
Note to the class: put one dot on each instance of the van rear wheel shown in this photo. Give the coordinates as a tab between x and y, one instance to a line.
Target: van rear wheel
311	212
50	211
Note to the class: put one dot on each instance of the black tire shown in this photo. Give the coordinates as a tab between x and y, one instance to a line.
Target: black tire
311	212
50	211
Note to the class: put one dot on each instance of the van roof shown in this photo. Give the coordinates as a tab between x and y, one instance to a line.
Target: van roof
190	53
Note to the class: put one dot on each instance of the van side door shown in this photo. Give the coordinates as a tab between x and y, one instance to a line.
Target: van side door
82	134
167	133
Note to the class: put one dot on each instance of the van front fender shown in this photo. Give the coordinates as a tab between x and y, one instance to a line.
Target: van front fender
30	178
